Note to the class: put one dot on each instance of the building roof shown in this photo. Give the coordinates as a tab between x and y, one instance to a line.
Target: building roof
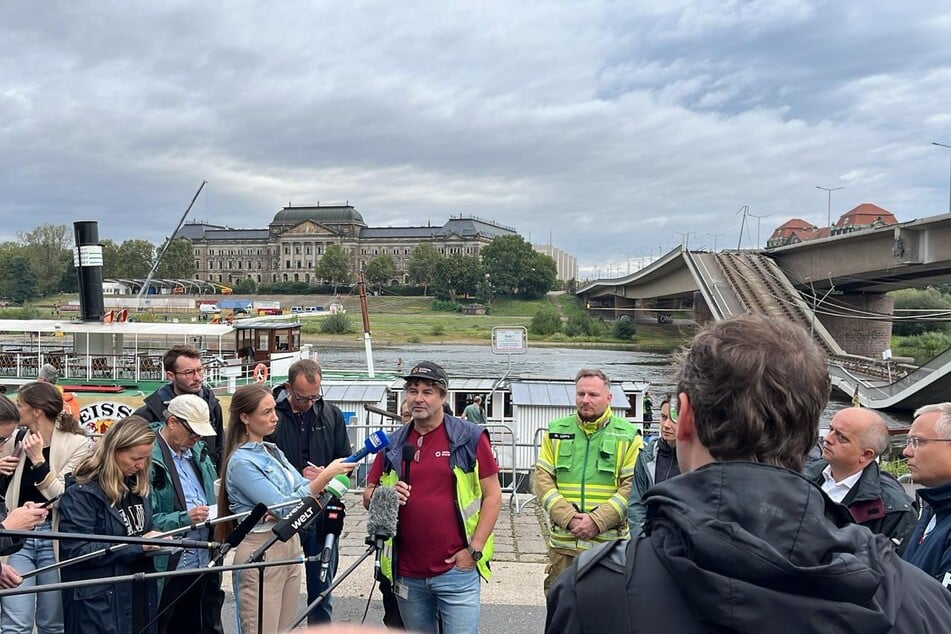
472	227
333	214
201	231
866	214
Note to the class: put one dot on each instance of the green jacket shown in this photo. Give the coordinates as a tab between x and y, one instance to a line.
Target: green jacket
588	474
165	494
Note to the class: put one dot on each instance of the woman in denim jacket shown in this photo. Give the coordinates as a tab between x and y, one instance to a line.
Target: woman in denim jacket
255	471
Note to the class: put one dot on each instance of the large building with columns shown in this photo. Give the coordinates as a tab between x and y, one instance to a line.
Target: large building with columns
290	247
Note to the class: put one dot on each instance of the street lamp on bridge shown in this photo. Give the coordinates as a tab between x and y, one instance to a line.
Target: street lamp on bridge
829	190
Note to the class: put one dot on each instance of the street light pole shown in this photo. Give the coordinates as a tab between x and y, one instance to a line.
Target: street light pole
715	236
758	219
829	190
949	176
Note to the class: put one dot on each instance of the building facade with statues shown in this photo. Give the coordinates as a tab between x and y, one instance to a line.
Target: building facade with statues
289	249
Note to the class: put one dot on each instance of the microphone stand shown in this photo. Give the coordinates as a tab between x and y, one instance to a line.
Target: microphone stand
122	545
143	577
114	539
336	582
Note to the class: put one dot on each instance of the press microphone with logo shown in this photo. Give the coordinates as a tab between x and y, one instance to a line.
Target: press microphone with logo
409	453
382	517
375	442
302	515
333	525
239	533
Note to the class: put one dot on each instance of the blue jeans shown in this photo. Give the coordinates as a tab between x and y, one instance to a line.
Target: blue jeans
313	544
453	596
46	608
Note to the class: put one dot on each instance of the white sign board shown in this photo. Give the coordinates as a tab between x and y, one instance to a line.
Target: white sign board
97	417
509	340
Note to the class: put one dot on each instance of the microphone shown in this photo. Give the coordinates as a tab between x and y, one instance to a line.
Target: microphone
375	442
382	517
409	453
239	533
333	523
302	515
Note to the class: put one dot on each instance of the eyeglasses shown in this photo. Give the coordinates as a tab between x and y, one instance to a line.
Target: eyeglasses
406	415
186	427
190	373
300	398
916	442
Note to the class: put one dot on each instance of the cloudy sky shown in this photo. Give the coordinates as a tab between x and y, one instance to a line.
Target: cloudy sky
614	129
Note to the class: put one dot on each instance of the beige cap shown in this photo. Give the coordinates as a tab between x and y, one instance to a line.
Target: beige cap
193	411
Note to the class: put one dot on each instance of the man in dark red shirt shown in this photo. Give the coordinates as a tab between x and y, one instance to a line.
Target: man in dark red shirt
444	541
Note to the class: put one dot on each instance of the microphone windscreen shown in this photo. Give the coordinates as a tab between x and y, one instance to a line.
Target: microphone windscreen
338	486
383	513
409	452
333	518
299	517
247	524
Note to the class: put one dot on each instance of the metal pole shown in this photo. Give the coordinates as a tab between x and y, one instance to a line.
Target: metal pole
829	190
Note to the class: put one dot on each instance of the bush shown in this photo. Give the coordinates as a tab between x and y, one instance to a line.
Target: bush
581	325
338	324
624	328
437	330
446	306
545	322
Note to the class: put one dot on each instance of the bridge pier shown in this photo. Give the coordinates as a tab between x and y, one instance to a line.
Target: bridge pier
867	338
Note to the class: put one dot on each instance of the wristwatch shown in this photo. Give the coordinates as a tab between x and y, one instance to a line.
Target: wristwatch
475	554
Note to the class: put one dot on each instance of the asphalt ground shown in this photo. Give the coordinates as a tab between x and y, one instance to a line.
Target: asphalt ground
513	601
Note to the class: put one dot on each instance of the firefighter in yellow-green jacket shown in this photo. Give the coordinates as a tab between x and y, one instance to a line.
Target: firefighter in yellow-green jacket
584	472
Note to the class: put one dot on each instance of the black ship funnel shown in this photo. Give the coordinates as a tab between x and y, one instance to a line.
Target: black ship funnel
87	258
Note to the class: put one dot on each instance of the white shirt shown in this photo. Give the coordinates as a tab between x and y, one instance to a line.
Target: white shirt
838	490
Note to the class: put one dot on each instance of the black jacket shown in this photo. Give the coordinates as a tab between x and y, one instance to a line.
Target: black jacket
328	435
933	553
103	608
877	501
746	547
157	402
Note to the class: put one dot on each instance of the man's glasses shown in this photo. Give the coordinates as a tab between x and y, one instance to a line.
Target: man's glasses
301	398
187	427
191	373
916	442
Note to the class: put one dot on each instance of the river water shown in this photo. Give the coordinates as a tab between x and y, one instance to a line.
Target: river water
560	363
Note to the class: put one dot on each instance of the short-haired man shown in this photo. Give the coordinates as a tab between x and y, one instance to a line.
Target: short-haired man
849	475
49	374
312	433
185	374
655	464
929	459
182	489
446	517
584	472
474	412
740	541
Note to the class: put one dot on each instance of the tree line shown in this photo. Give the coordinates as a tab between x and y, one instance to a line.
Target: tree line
40	263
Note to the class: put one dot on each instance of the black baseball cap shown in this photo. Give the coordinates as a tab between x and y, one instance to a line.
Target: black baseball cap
428	371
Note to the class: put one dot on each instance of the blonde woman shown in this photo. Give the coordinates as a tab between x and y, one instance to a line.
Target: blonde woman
110	497
255	471
51	448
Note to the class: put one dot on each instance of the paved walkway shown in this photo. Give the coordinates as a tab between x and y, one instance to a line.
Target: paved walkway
512	602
